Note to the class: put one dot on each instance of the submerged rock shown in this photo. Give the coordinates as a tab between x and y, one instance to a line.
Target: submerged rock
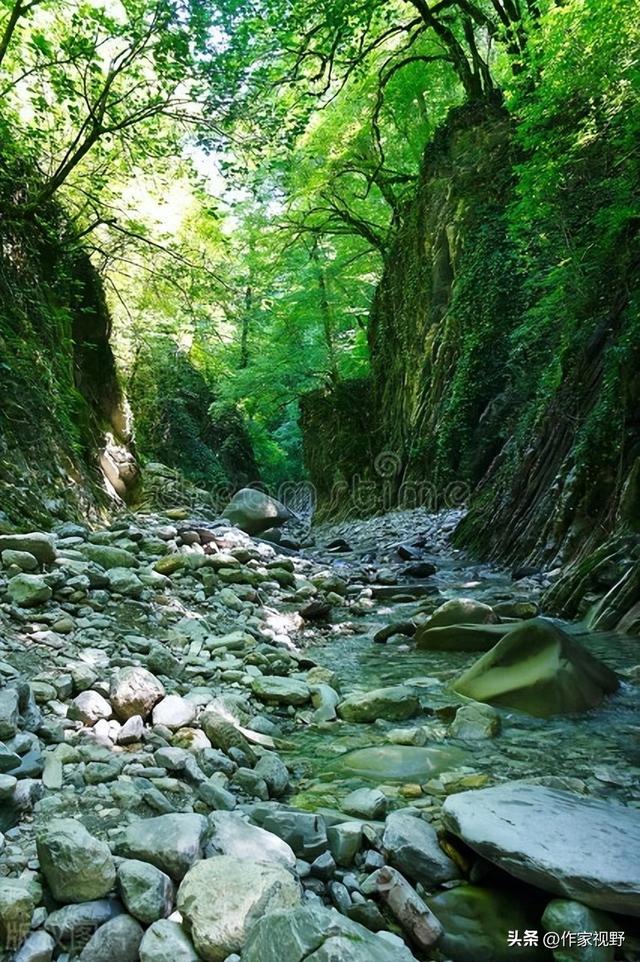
541	669
398	763
396	703
477	922
475	721
254	511
582	848
563	915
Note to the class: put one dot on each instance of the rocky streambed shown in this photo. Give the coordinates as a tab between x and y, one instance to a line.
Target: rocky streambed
218	748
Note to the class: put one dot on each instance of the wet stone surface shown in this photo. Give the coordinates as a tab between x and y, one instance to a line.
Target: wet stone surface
178	692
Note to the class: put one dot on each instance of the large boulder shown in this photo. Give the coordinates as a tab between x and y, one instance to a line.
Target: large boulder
313	933
581	848
221	897
77	866
170	842
231	834
411	845
460	637
39	544
539	668
254	511
396	703
134	691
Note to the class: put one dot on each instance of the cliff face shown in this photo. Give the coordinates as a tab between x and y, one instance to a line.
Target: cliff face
67	448
525	393
60	393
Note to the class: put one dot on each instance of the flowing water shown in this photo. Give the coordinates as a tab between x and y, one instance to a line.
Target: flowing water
600	749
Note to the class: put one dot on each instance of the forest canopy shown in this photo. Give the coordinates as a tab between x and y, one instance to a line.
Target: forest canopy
238	170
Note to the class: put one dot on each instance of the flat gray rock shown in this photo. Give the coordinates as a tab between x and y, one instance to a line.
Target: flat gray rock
582	848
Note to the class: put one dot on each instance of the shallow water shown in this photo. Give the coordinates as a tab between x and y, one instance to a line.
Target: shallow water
601	748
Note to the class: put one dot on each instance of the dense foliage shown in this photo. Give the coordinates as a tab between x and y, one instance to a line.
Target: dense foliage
238	172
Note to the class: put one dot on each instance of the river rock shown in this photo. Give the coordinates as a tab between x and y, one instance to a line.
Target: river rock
231	834
280	690
591	850
221	897
74	924
412	913
108	556
398	763
477	922
411	845
38	544
367	803
475	721
16	909
166	941
134	691
37	947
563	915
254	511
396	703
305	832
116	941
461	637
541	669
9	712
146	892
77	866
317	934
274	772
21	559
174	712
170	842
89	707
462	611
28	591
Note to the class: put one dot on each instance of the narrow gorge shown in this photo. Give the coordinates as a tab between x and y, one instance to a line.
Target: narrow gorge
319	481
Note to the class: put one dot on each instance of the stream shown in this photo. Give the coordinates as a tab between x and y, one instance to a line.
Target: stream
597	751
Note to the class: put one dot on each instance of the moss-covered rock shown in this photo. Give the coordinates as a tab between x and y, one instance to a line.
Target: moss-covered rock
538	668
